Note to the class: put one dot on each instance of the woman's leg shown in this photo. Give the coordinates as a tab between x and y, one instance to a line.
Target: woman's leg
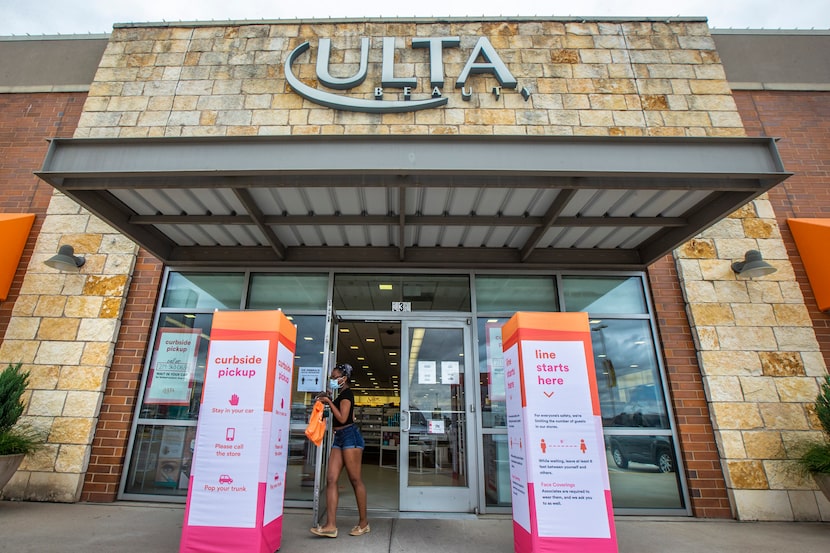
332	495
353	459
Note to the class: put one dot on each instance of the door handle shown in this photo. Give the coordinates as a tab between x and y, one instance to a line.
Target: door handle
405	421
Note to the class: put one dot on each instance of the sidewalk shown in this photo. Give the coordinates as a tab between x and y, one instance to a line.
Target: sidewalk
124	527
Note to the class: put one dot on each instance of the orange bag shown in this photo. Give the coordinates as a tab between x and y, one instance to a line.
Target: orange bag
316	428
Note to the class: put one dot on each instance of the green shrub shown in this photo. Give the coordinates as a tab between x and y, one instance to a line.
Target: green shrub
13	438
823	406
816	458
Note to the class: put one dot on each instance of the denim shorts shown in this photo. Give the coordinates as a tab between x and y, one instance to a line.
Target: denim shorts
348	438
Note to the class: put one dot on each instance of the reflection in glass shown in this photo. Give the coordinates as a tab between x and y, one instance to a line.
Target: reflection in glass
603	294
515	293
204	290
491	375
436	407
628	378
161	460
154	406
152	468
643	472
288	291
309	353
496	470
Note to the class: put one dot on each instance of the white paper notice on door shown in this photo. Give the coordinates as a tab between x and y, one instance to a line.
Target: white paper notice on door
426	372
450	372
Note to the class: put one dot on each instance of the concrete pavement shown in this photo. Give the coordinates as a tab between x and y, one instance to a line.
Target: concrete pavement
128	527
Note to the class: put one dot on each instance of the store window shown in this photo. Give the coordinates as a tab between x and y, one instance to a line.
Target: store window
498	297
377	292
308	359
164	437
515	293
594	294
204	290
639	441
288	291
640	449
163	440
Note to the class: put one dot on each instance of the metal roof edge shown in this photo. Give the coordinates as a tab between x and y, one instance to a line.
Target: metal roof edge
21	38
413	19
806	32
781	87
44	89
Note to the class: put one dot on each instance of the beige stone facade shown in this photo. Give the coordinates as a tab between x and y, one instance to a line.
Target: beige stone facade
757	349
761	364
63	330
591	78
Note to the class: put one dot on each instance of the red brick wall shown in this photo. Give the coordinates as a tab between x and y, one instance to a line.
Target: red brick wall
707	488
109	447
26	121
802	122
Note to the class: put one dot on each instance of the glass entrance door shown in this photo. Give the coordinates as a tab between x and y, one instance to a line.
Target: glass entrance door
321	453
436	417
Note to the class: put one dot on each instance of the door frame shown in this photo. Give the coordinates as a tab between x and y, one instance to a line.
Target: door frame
321	460
436	318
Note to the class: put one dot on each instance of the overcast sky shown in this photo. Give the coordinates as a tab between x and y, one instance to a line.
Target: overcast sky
49	17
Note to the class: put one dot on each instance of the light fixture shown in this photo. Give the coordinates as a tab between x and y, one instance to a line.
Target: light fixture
65	260
753	265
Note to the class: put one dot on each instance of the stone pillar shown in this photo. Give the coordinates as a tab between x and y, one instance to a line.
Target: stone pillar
760	361
63	329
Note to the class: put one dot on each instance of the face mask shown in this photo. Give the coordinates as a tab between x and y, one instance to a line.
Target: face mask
334	384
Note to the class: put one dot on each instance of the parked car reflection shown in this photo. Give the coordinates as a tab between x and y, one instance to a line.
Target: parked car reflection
642	411
651	450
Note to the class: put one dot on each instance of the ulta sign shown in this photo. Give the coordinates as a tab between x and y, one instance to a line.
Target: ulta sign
491	64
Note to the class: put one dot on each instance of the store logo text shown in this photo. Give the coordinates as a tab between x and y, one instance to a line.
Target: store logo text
491	64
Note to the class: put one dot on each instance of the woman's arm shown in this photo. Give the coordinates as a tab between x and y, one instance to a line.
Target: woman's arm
341	414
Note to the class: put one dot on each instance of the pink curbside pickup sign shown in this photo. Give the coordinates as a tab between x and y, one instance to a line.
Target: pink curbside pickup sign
558	469
237	481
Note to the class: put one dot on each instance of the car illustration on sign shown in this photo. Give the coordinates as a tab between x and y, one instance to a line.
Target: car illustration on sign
225	479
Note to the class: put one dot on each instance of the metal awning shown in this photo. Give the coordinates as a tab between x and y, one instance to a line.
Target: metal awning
416	201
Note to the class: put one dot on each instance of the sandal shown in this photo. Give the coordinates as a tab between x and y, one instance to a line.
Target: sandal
318	531
358	531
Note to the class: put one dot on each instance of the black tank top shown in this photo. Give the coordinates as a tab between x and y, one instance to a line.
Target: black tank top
345	394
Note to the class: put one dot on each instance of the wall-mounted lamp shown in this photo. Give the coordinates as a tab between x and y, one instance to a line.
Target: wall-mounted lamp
65	260
753	265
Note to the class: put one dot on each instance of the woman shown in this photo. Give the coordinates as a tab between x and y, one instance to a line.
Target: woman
347	450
